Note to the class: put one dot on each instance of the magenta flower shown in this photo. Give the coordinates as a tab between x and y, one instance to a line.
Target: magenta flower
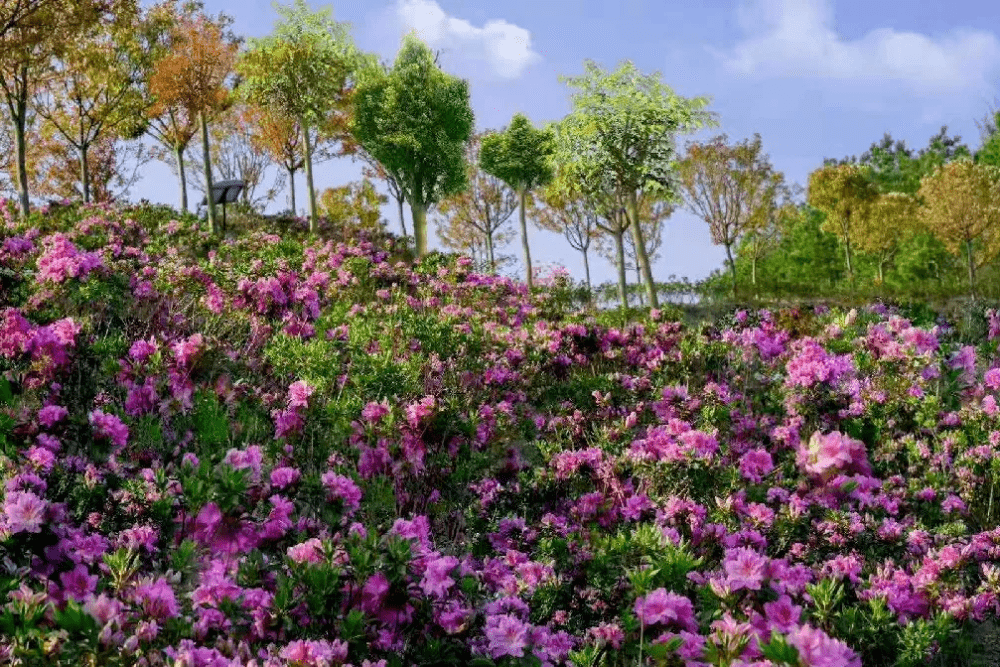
755	464
157	599
339	486
298	394
110	427
745	568
24	512
310	551
781	614
827	455
373	411
507	635
436	580
142	350
51	414
661	606
817	649
284	477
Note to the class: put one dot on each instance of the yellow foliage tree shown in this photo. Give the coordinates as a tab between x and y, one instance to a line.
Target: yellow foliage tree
883	224
963	210
355	207
842	192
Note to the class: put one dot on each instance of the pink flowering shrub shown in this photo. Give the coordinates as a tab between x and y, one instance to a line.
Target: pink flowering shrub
287	450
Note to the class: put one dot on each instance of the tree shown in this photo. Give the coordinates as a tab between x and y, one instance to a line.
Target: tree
631	120
732	188
93	90
31	38
652	215
172	126
115	165
356	206
415	121
764	238
989	151
963	208
842	192
235	155
482	210
883	226
302	70
563	209
520	157
192	76
578	177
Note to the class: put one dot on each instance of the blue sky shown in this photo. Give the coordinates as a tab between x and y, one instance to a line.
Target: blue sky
816	78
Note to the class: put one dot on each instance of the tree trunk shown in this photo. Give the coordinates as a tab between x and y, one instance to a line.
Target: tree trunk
850	267
307	145
489	254
20	149
209	201
638	282
753	270
640	250
732	265
620	251
972	270
586	273
291	189
85	174
179	156
402	220
881	274
419	215
524	241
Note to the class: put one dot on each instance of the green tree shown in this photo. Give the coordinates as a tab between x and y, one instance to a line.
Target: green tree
806	255
520	157
302	69
415	120
631	121
989	151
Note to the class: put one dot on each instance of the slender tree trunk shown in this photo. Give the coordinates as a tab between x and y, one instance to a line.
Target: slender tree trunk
640	249
402	220
620	251
638	282
210	202
881	274
732	265
85	174
753	270
586	273
524	241
972	270
307	145
489	253
20	148
291	189
419	215
850	267
179	157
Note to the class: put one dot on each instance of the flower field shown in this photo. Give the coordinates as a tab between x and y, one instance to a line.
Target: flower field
281	451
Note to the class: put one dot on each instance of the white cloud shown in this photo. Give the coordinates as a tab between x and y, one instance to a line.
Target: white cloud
505	46
796	38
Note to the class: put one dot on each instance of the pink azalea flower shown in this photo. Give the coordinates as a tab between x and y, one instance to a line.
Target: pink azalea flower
661	606
507	635
436	580
817	649
745	568
24	512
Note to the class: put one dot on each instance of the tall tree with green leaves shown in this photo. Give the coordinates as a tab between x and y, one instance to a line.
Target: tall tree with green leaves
415	120
302	69
520	156
631	121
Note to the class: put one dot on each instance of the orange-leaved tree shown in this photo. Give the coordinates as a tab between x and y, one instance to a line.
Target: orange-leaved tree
192	76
